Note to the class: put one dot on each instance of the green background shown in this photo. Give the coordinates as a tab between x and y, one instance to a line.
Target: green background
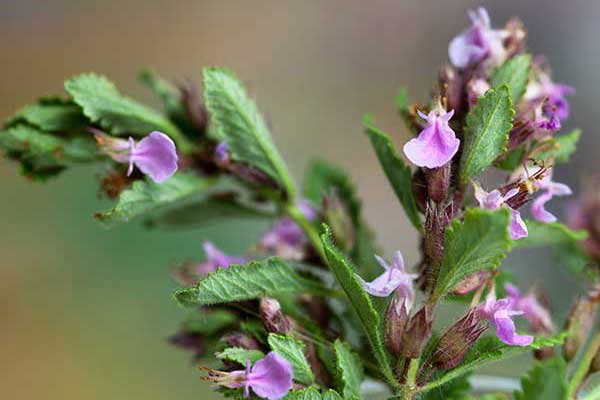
85	311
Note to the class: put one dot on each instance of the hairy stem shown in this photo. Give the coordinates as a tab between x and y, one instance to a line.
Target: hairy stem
410	387
308	227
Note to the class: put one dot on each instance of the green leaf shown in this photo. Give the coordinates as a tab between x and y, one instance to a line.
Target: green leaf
292	350
514	73
546	381
239	355
245	282
306	394
512	159
234	119
559	149
145	197
397	172
53	114
489	350
103	104
456	389
350	370
207	322
486	131
170	96
331	395
543	234
478	243
360	301
403	107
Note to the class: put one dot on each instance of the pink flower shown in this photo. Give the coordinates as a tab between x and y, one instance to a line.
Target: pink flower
436	144
215	259
550	189
286	239
494	200
395	278
477	42
537	316
270	378
154	155
554	94
500	313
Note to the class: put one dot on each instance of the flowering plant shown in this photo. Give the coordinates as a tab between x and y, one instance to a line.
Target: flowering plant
312	311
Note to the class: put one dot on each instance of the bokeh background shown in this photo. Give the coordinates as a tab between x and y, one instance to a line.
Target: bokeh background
84	311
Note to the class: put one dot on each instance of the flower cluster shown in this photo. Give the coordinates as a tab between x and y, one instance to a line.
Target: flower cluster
306	311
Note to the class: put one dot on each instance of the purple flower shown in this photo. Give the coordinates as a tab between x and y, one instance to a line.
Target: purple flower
286	239
500	313
436	144
554	94
537	316
221	153
550	189
270	378
154	155
477	42
395	278
215	259
494	200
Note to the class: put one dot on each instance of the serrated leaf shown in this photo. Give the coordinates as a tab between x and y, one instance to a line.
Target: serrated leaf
239	355
546	381
235	119
245	282
514	73
486	131
559	149
293	351
479	242
331	395
398	173
103	104
208	322
52	115
350	370
306	394
489	350
543	234
360	301
146	196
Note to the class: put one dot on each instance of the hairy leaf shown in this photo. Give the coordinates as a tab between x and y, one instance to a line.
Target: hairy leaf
306	394
350	370
456	389
489	350
331	395
53	114
292	350
397	172
543	234
234	119
546	381
244	282
514	73
360	301
512	159
103	104
145	197
486	131
479	242
239	355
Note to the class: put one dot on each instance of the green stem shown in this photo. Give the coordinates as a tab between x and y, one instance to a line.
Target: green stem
410	387
309	229
584	366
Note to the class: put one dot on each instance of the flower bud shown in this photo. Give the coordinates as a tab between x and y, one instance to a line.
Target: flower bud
338	219
396	317
451	83
194	107
417	333
273	318
579	323
438	182
241	340
457	341
189	341
435	227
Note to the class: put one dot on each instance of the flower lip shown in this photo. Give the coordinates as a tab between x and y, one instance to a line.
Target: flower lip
436	144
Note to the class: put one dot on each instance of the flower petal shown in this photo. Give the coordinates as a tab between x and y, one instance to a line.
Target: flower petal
155	155
517	227
506	330
539	211
271	377
435	145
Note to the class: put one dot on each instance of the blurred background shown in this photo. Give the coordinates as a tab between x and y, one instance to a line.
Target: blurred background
85	311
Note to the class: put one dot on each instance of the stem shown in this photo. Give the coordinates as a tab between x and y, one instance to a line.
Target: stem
584	366
410	387
309	229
